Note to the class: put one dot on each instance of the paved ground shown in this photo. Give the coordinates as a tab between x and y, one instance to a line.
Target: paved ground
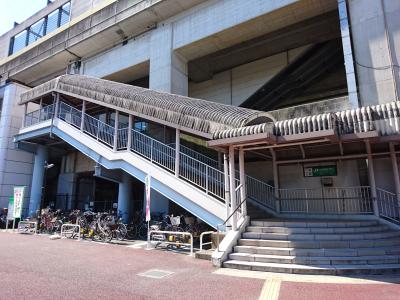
37	267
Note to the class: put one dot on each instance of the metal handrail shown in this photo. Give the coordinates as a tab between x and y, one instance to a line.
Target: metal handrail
201	239
388	205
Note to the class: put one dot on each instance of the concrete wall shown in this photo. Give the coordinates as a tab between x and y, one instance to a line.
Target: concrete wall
236	85
375	27
15	165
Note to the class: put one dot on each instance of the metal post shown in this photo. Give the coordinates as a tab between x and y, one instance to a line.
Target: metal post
57	105
40	109
83	115
116	121
242	176
130	126
177	151
371	176
24	114
395	170
276	181
226	184
232	185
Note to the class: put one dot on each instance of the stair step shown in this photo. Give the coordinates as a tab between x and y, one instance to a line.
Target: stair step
320	244
317	230
312	269
317	260
318	252
310	224
321	237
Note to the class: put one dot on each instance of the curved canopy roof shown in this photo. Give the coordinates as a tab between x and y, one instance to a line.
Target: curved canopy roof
197	115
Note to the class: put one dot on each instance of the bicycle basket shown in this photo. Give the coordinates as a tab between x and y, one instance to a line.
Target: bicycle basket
175	221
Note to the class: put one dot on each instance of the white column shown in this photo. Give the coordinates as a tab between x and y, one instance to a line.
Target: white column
232	186
243	190
83	114
168	69
130	127
40	109
125	197
371	176
116	124
275	170
24	114
395	170
227	190
37	179
177	151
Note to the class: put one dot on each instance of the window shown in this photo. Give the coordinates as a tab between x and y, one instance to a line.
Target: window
65	13
36	31
46	25
19	41
52	21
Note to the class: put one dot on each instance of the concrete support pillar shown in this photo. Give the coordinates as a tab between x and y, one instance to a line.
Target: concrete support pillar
177	151
125	198
227	189
83	114
395	170
348	54
116	124
130	127
243	190
168	69
232	186
57	105
37	186
371	176
275	170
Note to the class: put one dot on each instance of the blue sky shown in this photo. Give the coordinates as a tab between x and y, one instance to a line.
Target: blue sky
17	10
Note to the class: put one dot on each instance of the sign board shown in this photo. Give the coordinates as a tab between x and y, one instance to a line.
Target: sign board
320	171
19	194
10	212
148	188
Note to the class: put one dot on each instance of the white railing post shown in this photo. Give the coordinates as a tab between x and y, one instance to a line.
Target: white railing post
206	179
226	184
242	177
130	126
83	115
24	114
116	125
232	186
177	151
371	176
395	171
151	150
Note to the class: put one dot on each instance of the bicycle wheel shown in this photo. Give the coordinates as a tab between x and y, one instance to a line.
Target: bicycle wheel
106	235
121	232
131	231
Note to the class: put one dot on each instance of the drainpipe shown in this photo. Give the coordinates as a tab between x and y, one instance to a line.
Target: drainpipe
83	114
276	181
232	186
116	124
178	151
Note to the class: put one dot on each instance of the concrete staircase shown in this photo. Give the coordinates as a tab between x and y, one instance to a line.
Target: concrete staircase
317	247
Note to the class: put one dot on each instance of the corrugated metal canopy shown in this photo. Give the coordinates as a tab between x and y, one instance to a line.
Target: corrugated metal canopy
197	115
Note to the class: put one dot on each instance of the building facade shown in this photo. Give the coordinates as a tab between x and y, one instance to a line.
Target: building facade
288	58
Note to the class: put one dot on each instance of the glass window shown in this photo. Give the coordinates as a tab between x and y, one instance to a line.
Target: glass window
52	21
36	31
65	12
19	41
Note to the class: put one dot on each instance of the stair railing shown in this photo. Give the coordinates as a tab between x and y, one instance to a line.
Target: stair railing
388	205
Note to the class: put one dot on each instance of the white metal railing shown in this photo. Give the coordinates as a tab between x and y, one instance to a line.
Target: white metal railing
177	240
388	205
198	156
70	114
260	192
122	140
327	200
99	130
40	115
71	231
202	243
27	227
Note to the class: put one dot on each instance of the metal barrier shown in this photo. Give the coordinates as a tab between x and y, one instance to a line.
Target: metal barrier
165	235
27	227
70	231
201	239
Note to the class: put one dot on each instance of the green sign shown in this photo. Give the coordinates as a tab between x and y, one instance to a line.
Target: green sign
320	171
